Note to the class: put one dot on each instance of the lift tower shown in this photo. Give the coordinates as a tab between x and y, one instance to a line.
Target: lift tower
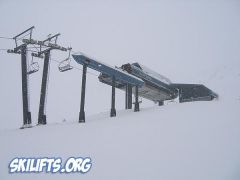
45	47
22	49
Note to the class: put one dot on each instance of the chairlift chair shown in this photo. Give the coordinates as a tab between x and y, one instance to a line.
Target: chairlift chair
65	64
33	67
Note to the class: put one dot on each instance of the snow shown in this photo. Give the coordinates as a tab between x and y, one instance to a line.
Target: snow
156	75
198	140
189	42
166	142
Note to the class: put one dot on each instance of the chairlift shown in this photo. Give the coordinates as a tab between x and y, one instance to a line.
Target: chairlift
65	64
33	67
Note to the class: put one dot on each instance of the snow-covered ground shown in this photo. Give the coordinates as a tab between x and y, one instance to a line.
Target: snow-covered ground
198	140
178	141
188	42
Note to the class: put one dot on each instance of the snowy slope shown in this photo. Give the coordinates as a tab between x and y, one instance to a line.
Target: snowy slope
198	140
170	142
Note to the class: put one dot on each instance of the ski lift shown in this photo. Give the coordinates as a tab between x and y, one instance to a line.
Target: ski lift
33	67
65	64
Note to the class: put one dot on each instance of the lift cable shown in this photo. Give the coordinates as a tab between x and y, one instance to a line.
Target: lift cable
56	61
3	49
74	67
21	38
2	37
10	38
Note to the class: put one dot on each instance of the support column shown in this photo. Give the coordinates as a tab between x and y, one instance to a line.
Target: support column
113	109
41	116
128	98
136	107
160	103
180	95
26	112
82	112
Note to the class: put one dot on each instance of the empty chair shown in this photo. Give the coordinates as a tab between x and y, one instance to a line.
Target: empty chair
65	64
33	67
64	67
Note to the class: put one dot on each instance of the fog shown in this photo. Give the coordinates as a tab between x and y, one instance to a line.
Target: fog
186	41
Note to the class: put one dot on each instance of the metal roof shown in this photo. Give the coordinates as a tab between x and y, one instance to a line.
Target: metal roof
119	74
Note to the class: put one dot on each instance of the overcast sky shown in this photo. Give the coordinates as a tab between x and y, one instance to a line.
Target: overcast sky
184	40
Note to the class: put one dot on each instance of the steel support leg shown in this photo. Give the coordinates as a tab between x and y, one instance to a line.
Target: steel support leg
160	103
180	95
128	98
26	112
136	107
82	112
41	116
113	109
